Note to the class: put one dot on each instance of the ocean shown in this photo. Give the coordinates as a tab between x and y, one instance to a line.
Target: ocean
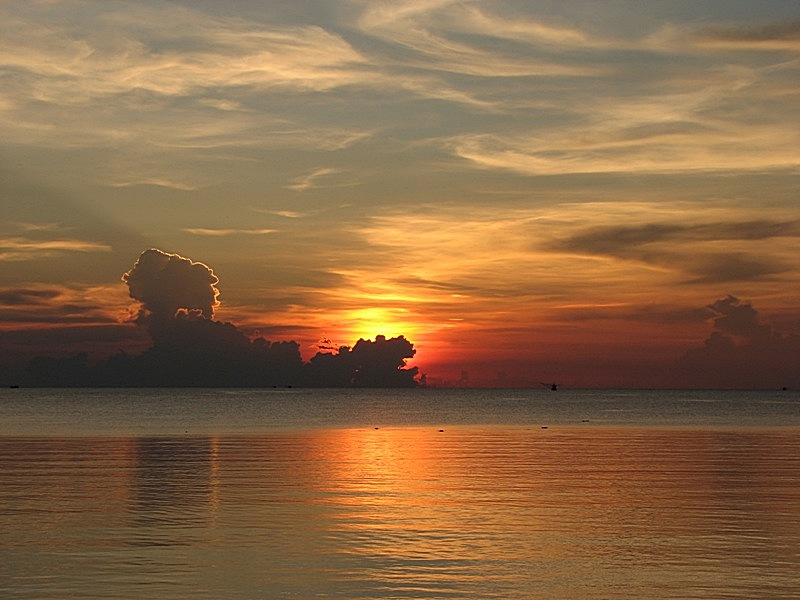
425	493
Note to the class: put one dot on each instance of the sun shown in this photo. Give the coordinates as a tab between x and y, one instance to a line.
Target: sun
367	323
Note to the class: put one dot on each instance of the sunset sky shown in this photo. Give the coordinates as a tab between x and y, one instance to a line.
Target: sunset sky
527	190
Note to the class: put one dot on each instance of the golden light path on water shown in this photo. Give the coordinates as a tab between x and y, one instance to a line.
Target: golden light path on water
405	512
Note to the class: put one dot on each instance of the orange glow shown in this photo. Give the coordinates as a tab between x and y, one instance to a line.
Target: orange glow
367	323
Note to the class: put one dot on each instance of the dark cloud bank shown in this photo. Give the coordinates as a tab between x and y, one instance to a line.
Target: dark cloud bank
742	352
177	299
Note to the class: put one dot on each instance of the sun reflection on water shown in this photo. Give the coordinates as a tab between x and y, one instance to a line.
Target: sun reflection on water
489	512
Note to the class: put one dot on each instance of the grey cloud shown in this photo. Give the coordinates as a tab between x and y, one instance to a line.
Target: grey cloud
619	241
764	32
216	232
741	351
50	305
653	244
189	348
737	318
731	266
652	313
622	241
165	283
26	297
443	286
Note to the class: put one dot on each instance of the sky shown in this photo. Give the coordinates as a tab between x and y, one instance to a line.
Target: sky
598	193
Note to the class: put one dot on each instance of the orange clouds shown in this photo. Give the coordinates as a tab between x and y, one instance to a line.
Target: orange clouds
536	191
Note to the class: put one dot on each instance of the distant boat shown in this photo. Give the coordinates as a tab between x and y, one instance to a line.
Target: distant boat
14	387
553	386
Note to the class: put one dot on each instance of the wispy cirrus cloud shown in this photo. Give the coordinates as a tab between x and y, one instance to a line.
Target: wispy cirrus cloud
158	182
644	136
152	79
21	248
657	119
436	34
324	177
213	232
77	59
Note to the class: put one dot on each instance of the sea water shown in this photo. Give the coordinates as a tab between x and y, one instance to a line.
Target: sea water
399	494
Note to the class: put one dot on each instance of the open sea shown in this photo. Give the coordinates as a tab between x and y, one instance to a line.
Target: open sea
295	493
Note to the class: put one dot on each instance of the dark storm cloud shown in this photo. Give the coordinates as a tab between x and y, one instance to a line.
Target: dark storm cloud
368	364
737	318
165	283
190	348
19	348
742	351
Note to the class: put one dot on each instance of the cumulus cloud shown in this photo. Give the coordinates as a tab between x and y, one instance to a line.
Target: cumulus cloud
190	348
739	319
742	351
381	363
166	283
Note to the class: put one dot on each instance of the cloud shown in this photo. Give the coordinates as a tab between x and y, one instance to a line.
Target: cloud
286	214
150	80
46	306
23	296
158	182
690	247
693	113
725	267
770	36
21	248
165	283
310	180
226	232
449	37
739	319
190	348
92	53
741	351
534	32
613	146
622	240
178	298
381	363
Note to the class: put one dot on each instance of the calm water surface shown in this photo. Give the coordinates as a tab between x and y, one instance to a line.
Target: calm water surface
413	494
